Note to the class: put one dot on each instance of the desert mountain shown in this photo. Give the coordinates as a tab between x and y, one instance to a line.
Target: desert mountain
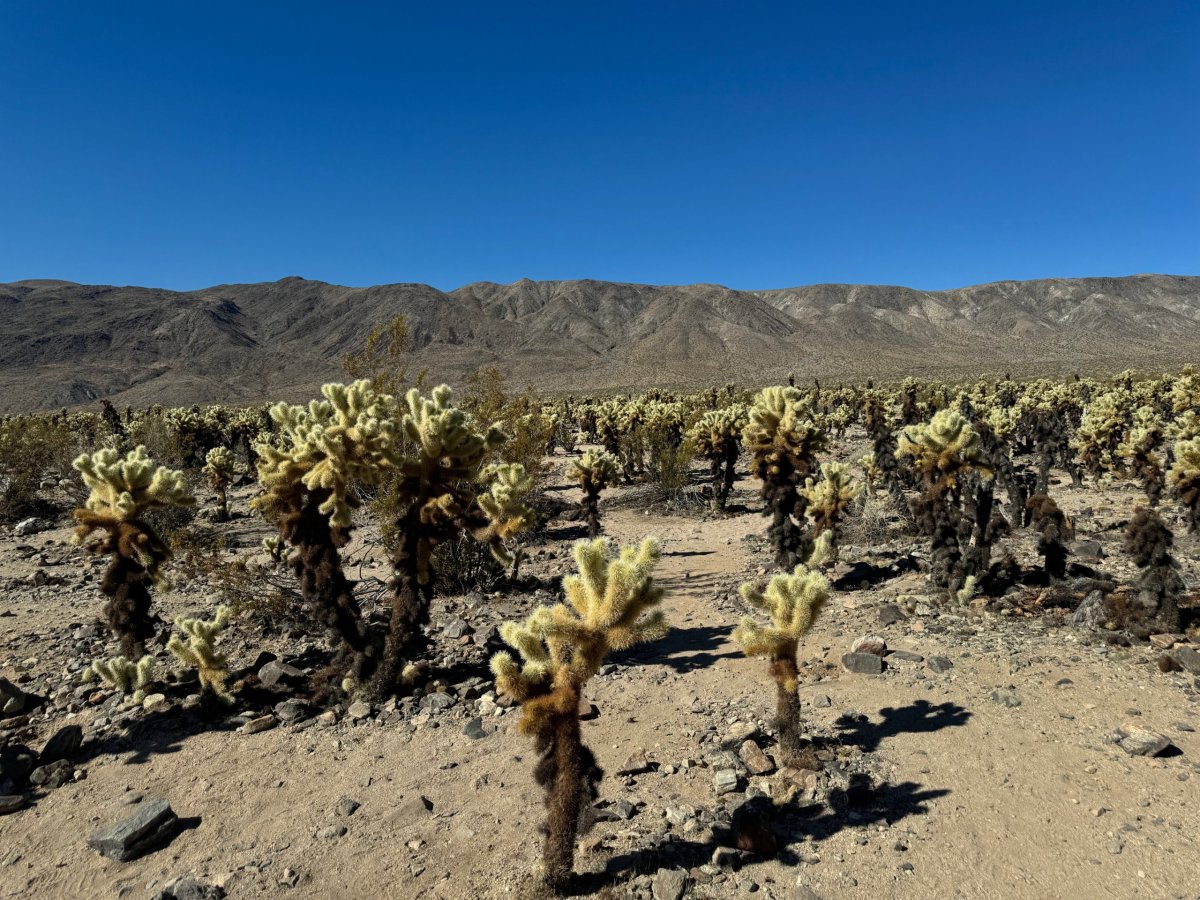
65	344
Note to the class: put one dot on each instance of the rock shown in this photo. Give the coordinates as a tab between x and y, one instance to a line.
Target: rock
870	644
752	830
863	663
10	803
906	656
262	723
1166	641
1137	740
939	664
347	807
12	698
474	729
669	884
53	775
1090	615
1167	663
333	832
360	709
437	702
456	628
757	762
1089	550
151	827
890	614
190	889
29	526
154	702
1007	698
293	710
16	762
1189	658
725	781
277	673
636	764
63	745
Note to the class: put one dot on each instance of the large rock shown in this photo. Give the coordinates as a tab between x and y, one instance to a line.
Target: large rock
276	673
1137	740
151	827
1090	614
63	745
29	526
12	698
862	663
669	884
870	643
1189	658
16	762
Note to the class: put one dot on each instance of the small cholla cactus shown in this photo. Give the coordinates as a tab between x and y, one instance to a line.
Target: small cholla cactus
829	498
793	602
561	647
123	489
1054	527
1184	478
200	652
119	673
717	436
594	471
506	511
218	466
783	442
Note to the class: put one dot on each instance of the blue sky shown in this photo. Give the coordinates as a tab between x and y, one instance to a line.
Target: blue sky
932	144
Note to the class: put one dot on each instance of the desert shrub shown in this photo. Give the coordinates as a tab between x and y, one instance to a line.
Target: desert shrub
32	448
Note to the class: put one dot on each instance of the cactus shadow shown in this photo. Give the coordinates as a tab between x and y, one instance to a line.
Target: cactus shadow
919	717
681	649
156	734
785	828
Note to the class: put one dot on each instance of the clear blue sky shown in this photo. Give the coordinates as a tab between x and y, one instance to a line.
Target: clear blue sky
751	144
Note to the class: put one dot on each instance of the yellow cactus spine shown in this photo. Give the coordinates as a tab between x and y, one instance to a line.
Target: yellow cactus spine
200	652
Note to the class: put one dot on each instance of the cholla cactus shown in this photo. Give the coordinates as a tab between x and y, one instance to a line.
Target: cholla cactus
320	454
1148	540
1055	528
943	448
1184	478
123	489
594	471
783	443
717	436
119	673
1138	448
434	480
561	648
200	652
506	511
218	466
793	602
829	498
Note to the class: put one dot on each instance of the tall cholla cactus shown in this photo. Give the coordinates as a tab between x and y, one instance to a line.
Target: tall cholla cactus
435	483
324	450
783	443
506	511
200	652
594	471
717	435
1148	540
793	602
123	489
1138	448
561	648
218	466
946	450
1184	478
130	678
829	498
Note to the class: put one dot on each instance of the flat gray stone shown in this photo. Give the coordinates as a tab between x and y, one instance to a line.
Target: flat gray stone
939	664
1137	740
669	884
151	827
725	781
10	803
276	673
12	698
1189	658
862	663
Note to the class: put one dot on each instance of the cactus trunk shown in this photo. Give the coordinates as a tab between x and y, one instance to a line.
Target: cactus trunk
410	607
562	767
787	707
128	606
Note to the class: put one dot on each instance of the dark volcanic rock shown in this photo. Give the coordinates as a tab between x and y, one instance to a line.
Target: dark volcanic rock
151	827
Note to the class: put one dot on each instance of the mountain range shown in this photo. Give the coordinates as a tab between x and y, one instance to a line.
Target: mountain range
68	344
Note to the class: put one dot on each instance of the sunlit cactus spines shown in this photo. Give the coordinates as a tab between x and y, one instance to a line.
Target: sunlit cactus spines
792	602
717	435
1184	479
200	652
594	471
123	675
504	506
218	466
123	488
943	447
829	497
611	605
783	442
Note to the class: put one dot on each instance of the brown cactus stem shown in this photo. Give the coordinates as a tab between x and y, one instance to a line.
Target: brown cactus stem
410	607
787	708
128	607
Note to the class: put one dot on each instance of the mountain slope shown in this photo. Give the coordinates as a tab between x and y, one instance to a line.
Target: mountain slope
65	344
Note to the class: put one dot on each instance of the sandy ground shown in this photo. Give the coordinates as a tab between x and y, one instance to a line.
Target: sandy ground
994	778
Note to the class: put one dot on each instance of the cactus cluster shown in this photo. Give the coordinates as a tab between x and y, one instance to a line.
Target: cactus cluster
200	652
